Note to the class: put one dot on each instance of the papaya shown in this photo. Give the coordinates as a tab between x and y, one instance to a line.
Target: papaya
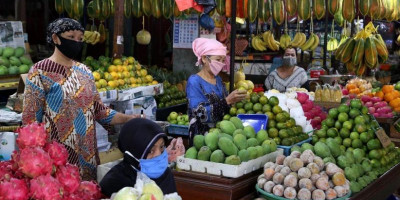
105	9
358	52
191	153
240	8
177	12
226	136
339	50
137	8
220	7
350	67
398	9
227	127
228	7
291	7
333	6
102	31
156	8
127	8
245	10
59	4
204	153
227	146
244	155
96	7
348	10
394	15
146	7
90	10
263	10
389	8
304	9
363	6
211	140
381	48
198	141
382	9
252	142
346	55
370	52
338	15
252	8
252	152
166	8
217	156
374	9
233	160
361	69
240	141
319	8
278	11
68	7
112	7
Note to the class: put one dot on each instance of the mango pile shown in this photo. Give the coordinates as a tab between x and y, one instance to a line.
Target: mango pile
281	127
303	176
231	143
13	61
347	138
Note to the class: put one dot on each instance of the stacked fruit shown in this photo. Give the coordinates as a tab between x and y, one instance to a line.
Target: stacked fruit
358	87
391	96
180	119
347	138
377	107
231	143
13	61
311	111
241	83
39	170
120	74
91	37
303	176
366	49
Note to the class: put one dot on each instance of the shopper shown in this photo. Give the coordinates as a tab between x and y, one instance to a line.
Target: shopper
143	143
207	95
61	92
288	74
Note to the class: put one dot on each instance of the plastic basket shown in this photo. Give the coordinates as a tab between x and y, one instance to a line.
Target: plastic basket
270	196
174	129
257	121
286	149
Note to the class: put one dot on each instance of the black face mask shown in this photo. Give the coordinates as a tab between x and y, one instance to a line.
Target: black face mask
70	48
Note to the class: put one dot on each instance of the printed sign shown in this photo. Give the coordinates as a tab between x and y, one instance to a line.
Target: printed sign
185	31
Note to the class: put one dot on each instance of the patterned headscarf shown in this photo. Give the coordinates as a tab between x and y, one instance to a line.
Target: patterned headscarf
62	25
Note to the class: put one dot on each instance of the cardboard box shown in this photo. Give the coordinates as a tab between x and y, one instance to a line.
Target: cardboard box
111	155
137	92
108	96
146	104
16	101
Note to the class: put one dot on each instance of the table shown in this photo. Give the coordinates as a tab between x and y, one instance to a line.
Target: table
199	186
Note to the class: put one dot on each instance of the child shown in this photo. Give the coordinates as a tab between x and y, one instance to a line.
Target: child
143	143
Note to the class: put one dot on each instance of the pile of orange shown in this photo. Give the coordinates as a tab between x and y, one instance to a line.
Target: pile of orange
359	87
390	95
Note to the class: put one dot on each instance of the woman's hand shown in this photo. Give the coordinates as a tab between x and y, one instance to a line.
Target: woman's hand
235	96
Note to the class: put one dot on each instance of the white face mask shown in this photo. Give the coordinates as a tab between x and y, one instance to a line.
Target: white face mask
289	61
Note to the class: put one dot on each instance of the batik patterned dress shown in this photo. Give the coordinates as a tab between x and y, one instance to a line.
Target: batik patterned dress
207	104
66	100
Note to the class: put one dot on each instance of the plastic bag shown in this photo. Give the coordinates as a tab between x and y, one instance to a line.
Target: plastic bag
337	94
172	196
318	93
326	94
207	22
175	149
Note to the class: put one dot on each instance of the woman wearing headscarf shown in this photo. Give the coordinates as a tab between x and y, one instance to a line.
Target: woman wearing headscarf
61	93
142	142
208	98
288	74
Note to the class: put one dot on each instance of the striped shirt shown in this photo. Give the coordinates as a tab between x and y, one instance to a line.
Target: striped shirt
297	79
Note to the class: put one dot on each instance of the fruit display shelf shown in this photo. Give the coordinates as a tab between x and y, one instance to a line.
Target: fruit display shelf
131	93
270	196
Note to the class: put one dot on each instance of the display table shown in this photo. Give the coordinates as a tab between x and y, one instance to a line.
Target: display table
199	186
382	187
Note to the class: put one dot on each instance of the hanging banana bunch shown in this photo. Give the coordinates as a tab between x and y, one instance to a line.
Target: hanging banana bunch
264	10
59	4
304	9
299	38
220	7
291	7
319	8
313	40
91	37
348	10
285	39
137	8
332	43
363	6
333	6
278	11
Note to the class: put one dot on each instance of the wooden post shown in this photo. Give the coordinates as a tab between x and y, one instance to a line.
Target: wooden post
118	46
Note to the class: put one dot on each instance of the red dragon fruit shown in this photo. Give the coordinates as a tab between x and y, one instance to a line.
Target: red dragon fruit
14	189
5	170
57	152
32	135
72	197
69	177
46	187
34	161
89	190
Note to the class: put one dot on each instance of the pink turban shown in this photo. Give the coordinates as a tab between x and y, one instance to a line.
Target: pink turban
207	47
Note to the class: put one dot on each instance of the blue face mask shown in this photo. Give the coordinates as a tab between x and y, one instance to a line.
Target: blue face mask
154	167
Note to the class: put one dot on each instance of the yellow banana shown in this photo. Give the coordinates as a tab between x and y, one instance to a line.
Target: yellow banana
316	42
306	46
296	40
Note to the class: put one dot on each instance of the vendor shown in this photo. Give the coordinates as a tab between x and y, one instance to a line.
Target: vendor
143	143
207	95
288	74
61	93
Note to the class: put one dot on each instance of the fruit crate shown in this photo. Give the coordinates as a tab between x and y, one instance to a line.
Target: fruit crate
257	121
162	113
226	170
175	129
271	196
286	149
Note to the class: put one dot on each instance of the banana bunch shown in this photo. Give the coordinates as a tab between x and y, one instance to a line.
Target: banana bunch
311	44
343	39
272	44
258	44
91	37
298	40
332	44
285	41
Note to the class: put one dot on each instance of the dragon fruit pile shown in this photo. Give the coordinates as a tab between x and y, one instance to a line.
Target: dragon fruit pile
39	170
311	111
377	107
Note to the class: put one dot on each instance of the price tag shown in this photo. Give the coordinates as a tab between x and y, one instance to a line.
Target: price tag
383	138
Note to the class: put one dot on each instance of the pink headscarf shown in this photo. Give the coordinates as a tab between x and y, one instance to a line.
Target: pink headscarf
209	47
